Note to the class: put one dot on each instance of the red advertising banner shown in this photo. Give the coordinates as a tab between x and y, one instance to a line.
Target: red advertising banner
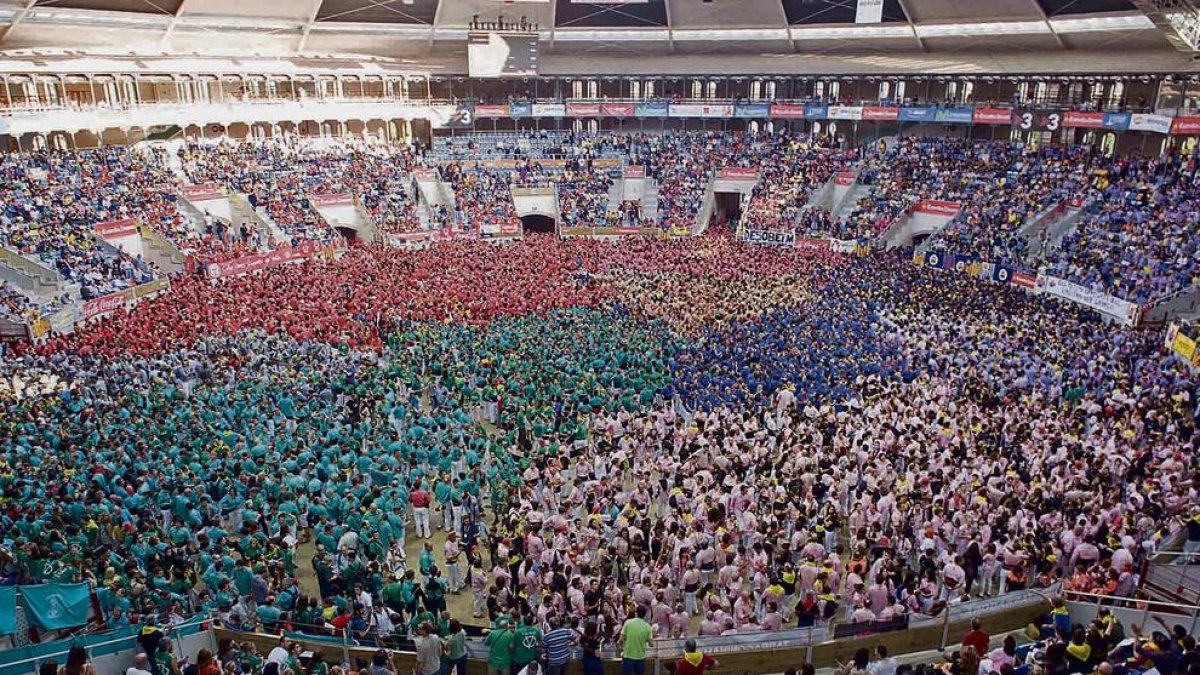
992	116
1023	280
935	207
425	174
1186	125
583	109
787	110
881	114
1087	120
343	199
846	178
104	305
115	229
1075	203
812	244
262	261
202	192
737	173
635	171
616	110
627	230
491	110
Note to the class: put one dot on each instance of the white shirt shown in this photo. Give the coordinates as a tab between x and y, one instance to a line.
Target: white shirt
278	655
134	670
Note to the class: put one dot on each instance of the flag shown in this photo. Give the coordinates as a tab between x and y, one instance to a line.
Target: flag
57	606
8	610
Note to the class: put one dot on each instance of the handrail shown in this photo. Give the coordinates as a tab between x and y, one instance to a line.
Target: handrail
199	620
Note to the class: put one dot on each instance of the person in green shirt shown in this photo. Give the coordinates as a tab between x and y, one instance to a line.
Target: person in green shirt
528	640
636	636
500	644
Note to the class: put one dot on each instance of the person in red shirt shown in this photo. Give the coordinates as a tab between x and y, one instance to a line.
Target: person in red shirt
977	638
694	662
419	499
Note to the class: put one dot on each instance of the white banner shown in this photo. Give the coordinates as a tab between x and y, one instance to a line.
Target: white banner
549	110
869	11
769	238
845	112
698	110
1127	313
843	245
1150	122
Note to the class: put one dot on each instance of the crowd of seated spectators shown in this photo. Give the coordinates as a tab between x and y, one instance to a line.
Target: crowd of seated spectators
791	169
483	196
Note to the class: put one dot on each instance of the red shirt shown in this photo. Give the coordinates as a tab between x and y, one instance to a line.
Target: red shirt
419	499
685	667
977	639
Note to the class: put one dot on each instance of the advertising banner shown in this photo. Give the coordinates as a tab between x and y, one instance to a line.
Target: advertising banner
916	114
483	110
816	112
845	178
1186	126
651	109
751	110
425	175
1127	313
100	306
202	192
1024	280
960	115
769	238
115	229
738	173
340	199
881	113
583	110
845	112
1097	120
520	109
616	110
1150	122
991	116
262	261
935	207
787	111
635	171
549	110
700	110
812	244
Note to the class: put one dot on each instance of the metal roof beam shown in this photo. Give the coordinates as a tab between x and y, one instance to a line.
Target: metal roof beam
17	19
312	18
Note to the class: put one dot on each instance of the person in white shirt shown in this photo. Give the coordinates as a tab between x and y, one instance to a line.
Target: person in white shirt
883	664
141	665
280	653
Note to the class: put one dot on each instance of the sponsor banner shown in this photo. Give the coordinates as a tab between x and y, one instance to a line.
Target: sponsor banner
520	109
959	115
737	173
616	110
341	199
102	306
1127	313
845	112
936	207
1024	280
991	116
1150	122
202	192
881	114
116	229
812	244
262	261
845	178
751	110
549	110
635	171
491	110
770	238
787	111
816	112
583	110
700	110
651	109
1096	120
626	230
916	114
1186	126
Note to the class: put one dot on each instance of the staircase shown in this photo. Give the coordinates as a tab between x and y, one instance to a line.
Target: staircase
32	277
161	252
1183	304
650	201
368	230
706	209
1053	232
242	212
849	201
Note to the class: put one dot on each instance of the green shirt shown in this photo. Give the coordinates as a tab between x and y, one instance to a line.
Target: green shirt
500	648
528	639
637	635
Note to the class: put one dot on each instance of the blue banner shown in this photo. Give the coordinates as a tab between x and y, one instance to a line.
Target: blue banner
8	610
938	260
650	109
57	606
1117	121
520	109
916	114
816	112
1001	274
960	115
752	110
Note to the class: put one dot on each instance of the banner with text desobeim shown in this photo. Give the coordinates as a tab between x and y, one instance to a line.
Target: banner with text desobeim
769	238
57	606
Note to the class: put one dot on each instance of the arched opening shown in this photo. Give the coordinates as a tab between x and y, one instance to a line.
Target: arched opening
538	223
349	234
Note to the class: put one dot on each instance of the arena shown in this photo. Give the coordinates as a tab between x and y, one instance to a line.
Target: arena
838	337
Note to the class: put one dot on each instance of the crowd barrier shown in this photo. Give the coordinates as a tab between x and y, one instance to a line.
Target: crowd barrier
757	652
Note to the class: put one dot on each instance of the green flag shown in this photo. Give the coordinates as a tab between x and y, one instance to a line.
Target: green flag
56	606
8	610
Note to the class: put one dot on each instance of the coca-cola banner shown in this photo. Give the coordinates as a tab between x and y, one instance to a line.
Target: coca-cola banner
341	199
936	207
202	192
738	173
104	305
116	229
